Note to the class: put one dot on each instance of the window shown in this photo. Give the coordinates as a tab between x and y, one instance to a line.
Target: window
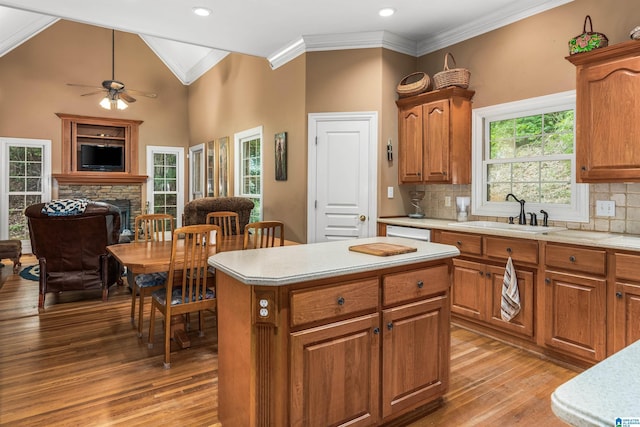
25	180
248	176
196	171
527	148
165	192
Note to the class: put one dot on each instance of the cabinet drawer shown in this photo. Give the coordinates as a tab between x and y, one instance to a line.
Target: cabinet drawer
312	305
414	284
466	243
576	258
517	249
628	267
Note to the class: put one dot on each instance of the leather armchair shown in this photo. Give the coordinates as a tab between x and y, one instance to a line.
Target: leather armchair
71	249
195	212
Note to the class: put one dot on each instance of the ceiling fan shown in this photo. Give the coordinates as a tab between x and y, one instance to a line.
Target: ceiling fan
116	93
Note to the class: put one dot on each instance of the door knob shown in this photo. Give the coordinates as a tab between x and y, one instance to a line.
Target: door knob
363	218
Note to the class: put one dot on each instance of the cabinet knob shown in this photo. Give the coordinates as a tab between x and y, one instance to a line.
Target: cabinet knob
459	243
389	326
376	331
420	284
618	294
481	273
547	280
488	274
340	301
584	168
572	258
509	250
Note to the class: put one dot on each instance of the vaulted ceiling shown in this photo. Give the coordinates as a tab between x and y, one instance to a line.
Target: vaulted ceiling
278	30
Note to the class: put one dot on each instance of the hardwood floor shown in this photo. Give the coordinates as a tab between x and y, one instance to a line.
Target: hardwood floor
81	363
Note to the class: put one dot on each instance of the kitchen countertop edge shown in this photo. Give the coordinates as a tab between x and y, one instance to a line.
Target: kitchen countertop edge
285	265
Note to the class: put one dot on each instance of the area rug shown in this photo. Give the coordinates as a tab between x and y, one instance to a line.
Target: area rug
31	273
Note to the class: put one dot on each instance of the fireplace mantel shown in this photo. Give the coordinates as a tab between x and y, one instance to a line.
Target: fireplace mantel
105	178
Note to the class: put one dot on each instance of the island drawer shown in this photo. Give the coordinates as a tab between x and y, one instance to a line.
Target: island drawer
326	302
466	243
414	284
576	258
518	249
628	267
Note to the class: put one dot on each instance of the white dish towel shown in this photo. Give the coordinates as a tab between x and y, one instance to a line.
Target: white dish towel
510	305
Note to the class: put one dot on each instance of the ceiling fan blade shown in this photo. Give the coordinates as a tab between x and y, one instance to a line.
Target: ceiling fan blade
127	97
79	85
147	94
93	93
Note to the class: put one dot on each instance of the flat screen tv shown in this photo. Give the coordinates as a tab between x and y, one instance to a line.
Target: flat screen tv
101	158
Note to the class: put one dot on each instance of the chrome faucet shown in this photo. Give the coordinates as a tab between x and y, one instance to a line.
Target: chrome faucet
522	218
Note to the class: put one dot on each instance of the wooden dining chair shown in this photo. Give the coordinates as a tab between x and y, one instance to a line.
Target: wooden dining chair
148	228
227	221
263	234
190	293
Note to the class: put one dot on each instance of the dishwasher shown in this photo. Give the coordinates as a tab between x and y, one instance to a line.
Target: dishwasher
423	234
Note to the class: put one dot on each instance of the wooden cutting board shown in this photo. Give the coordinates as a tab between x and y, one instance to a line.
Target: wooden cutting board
382	249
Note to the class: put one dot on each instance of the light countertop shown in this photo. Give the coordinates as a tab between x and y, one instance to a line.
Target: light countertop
550	234
285	265
603	393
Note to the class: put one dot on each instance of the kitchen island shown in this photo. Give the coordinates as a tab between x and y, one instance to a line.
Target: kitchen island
320	335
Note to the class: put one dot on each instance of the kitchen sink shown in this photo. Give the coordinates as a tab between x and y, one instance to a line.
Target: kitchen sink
495	225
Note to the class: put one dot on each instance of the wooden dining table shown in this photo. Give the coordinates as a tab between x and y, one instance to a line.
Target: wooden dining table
155	257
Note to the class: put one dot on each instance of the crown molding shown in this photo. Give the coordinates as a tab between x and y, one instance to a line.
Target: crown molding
344	41
504	17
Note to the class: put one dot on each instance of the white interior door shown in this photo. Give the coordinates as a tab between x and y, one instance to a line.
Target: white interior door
342	167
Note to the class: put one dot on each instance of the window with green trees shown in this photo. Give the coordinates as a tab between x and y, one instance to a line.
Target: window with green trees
527	148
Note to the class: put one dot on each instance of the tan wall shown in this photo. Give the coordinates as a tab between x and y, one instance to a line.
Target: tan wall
34	77
242	92
527	59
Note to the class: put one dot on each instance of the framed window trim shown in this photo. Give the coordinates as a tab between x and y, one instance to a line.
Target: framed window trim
576	211
179	152
238	138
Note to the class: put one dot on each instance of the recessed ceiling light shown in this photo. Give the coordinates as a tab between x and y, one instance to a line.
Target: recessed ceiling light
387	11
201	11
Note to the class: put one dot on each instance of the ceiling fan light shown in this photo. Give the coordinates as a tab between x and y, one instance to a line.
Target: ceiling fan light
121	105
387	11
105	103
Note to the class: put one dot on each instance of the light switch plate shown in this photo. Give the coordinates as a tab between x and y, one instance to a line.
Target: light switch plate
605	208
390	192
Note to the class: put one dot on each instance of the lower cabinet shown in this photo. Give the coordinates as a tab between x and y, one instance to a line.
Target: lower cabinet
357	350
343	361
476	294
575	296
626	305
421	374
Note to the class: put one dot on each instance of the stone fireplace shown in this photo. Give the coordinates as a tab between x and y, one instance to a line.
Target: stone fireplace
126	197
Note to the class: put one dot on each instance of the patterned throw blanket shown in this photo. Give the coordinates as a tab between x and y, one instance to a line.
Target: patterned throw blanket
65	207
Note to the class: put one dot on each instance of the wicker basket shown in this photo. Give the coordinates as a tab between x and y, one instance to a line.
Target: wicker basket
414	84
451	76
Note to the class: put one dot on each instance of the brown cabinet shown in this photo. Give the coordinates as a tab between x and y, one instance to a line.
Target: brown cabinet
626	305
607	126
412	378
476	291
362	349
476	294
96	150
575	301
434	137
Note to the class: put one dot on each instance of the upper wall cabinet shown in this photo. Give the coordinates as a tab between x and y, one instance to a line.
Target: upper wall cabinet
607	106
99	150
434	137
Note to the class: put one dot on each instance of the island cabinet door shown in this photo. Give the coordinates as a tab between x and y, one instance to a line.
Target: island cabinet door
335	373
415	354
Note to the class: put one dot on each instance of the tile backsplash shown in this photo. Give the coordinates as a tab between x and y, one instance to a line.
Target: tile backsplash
625	196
